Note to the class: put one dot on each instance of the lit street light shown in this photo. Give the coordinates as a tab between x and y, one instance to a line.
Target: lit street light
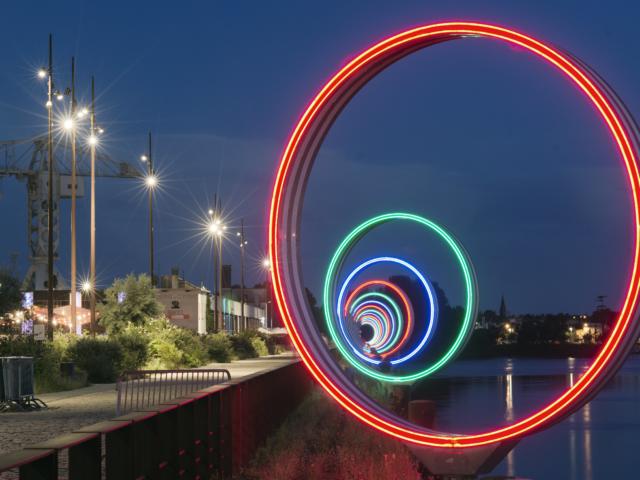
216	229
266	264
49	75
69	125
151	181
92	263
243	244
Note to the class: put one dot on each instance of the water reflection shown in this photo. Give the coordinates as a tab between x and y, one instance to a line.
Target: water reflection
597	442
508	414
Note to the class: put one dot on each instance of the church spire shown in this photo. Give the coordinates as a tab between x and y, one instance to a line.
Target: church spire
503	309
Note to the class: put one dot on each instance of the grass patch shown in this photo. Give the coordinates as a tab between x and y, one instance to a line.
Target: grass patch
320	441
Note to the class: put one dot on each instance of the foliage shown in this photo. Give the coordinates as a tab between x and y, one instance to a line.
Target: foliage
174	347
137	304
243	345
101	357
46	361
259	346
219	348
135	347
329	444
10	295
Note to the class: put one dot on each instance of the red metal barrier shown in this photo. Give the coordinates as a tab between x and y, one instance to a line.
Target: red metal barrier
211	433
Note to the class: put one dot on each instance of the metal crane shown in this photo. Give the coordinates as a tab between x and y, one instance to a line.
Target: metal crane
27	160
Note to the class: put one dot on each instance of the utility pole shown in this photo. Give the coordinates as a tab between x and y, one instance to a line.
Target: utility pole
50	194
74	316
150	184
266	263
243	244
218	219
92	263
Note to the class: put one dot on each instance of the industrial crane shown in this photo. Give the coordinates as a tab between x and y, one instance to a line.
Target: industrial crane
27	160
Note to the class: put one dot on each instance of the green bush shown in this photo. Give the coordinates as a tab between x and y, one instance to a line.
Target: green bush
219	348
101	357
173	347
250	344
243	345
135	347
270	341
46	358
259	346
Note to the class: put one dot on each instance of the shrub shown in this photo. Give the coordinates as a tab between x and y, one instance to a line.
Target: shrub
101	357
175	347
270	341
219	348
243	345
135	348
260	346
46	358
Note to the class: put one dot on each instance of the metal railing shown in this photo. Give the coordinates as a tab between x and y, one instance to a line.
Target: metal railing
145	388
212	433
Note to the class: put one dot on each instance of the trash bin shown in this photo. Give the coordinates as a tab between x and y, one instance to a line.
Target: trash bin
17	385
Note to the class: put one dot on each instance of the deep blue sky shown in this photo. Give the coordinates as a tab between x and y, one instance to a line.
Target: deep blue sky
481	137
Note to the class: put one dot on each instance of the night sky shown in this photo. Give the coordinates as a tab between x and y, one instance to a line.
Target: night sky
481	137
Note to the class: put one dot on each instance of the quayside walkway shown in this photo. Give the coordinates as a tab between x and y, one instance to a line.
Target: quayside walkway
73	409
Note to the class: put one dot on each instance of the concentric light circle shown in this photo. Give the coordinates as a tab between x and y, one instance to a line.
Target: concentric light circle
332	318
286	211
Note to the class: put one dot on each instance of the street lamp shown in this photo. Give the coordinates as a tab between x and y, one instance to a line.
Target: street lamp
216	230
243	244
48	74
69	125
266	264
93	143
86	286
151	181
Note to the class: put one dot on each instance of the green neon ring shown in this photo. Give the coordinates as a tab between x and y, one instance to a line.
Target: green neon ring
470	282
395	307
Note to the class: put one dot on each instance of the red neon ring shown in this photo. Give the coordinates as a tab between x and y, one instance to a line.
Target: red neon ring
283	224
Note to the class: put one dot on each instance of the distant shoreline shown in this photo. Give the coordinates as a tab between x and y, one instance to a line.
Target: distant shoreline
515	350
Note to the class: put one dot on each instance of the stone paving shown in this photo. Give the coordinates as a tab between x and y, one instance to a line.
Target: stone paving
73	409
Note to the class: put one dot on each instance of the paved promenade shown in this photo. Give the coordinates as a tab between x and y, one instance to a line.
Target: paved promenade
75	408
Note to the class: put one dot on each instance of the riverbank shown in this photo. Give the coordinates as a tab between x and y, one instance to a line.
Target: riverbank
541	350
328	443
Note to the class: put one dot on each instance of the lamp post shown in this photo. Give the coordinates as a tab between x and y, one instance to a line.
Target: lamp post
243	244
74	317
93	141
50	193
216	230
151	181
266	264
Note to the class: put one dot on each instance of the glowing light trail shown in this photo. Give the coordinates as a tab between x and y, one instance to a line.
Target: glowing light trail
286	205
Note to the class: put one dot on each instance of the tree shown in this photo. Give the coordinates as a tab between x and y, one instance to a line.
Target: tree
129	301
10	295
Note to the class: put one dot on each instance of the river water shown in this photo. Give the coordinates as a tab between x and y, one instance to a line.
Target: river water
600	441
